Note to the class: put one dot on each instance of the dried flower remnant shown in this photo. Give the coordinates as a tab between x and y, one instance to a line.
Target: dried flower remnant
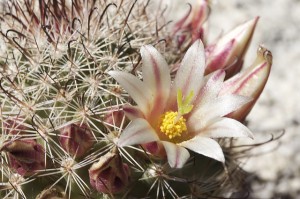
110	175
25	156
77	140
190	111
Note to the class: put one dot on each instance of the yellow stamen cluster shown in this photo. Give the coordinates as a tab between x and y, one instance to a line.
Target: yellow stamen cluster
171	125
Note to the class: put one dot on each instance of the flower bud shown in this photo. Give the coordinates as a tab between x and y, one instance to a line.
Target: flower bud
25	156
228	52
76	139
110	174
14	126
156	149
249	82
192	25
114	117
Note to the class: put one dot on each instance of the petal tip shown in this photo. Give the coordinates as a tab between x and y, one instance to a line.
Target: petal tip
199	44
146	49
112	72
250	135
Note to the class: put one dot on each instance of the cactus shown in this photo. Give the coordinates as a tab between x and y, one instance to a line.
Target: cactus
65	110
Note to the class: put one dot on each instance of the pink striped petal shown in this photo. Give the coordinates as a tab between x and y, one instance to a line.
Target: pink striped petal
218	56
214	109
177	155
132	112
156	76
211	88
205	146
156	72
138	131
135	88
229	51
190	73
227	127
250	82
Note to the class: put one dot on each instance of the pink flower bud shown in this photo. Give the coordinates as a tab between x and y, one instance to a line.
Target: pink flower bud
110	174
76	140
114	117
228	52
191	27
25	156
156	149
14	126
249	82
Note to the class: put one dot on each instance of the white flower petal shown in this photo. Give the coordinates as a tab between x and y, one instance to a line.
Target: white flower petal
227	127
135	88
190	73
250	82
211	89
205	146
207	113
138	131
156	75
177	155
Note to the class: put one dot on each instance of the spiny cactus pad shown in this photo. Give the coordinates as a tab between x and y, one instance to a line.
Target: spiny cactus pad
62	113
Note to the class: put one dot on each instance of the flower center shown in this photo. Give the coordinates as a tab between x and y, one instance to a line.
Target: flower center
172	125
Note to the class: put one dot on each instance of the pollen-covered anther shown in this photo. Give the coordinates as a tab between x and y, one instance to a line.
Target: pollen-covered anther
172	125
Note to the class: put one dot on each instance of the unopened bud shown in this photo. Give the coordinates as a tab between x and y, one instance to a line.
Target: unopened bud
114	118
249	82
156	149
228	52
110	174
76	139
192	26
14	126
25	156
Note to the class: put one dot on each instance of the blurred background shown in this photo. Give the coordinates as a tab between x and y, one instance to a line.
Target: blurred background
277	168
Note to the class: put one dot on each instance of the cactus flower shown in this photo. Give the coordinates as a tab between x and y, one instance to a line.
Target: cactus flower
84	115
228	52
76	139
25	156
185	114
110	174
249	82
